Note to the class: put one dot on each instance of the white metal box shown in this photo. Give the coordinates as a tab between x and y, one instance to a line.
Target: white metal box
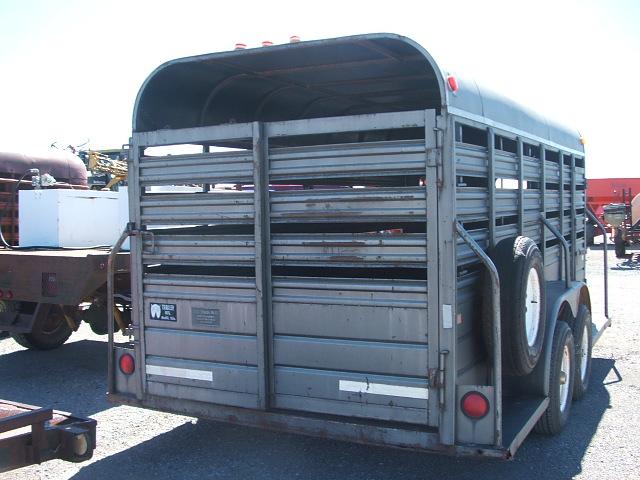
69	218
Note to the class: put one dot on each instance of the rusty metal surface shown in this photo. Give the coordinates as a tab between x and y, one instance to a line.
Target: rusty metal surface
30	435
63	166
22	272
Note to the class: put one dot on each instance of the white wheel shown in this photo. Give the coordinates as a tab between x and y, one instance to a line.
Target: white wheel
532	307
564	377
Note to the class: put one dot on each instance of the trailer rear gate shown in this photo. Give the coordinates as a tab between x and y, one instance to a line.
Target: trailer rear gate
334	305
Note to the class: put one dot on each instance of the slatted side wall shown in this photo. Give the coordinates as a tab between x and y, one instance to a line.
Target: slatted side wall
524	178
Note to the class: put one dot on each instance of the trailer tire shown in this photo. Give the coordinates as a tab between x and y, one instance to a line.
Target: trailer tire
49	331
619	244
590	233
583	336
561	379
522	305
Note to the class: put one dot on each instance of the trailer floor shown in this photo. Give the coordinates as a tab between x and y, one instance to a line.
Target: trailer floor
600	441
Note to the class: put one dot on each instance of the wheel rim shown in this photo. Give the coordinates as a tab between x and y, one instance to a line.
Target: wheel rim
565	371
52	321
532	307
584	353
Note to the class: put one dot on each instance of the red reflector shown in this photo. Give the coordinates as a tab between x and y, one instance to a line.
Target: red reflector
294	39
475	405
267	43
127	364
453	83
240	46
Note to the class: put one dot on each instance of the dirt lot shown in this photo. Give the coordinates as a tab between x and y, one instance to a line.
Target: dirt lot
600	441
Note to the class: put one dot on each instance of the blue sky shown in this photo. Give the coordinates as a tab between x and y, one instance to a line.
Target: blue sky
71	69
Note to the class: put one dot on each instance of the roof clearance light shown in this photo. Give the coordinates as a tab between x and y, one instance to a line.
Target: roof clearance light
294	39
240	46
267	43
453	83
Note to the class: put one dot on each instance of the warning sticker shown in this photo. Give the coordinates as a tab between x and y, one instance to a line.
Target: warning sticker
163	311
209	317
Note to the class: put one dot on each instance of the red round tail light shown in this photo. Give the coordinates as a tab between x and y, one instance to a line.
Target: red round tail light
475	405
127	364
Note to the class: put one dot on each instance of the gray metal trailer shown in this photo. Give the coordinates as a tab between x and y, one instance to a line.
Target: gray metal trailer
407	268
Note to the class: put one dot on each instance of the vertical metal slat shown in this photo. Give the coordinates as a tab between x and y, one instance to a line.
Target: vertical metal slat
574	225
433	162
543	200
561	203
520	188
491	186
262	263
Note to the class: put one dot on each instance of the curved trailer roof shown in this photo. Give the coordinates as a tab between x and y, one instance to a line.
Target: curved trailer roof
360	74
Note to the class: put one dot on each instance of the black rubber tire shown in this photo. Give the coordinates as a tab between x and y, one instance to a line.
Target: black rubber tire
619	244
590	233
50	330
514	258
554	418
580	326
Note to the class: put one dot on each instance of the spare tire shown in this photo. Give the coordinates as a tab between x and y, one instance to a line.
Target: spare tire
522	305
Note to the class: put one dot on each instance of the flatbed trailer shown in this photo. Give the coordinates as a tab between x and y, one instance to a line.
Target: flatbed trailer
30	435
433	299
41	291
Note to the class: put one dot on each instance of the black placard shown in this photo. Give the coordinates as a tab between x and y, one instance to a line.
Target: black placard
163	311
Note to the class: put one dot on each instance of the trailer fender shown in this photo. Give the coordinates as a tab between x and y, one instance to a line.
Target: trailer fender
561	301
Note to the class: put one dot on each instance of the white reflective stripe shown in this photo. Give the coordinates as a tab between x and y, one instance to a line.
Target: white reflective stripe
384	389
180	373
447	316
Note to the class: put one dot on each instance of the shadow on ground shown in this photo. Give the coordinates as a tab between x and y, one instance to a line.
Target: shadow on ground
631	261
223	451
71	378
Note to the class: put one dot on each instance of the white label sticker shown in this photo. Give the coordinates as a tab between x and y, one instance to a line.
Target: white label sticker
447	316
179	373
384	389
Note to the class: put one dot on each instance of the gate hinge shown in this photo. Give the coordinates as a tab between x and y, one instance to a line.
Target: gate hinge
442	358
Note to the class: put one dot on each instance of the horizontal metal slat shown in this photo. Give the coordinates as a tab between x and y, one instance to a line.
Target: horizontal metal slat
357	291
205	346
325	384
197	208
506	165
348	160
471	160
232	378
352	249
199	249
222	289
356	356
215	167
366	204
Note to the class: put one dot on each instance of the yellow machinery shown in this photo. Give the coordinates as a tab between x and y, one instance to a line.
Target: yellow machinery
99	162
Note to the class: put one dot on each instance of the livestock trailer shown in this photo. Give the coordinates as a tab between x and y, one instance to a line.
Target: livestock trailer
405	267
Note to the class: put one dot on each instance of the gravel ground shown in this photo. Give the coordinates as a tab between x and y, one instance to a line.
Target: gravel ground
600	441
